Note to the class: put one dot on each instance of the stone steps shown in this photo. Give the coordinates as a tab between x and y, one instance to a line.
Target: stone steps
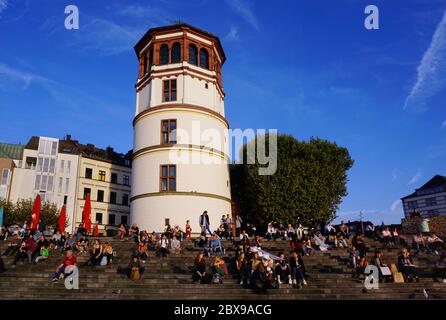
169	278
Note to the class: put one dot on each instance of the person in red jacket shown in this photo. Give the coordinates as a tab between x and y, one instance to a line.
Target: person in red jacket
68	260
32	247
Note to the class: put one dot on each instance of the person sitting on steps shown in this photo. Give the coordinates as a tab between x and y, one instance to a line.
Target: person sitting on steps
95	254
199	271
219	266
242	269
378	262
297	269
175	245
282	271
107	252
21	253
134	270
407	267
43	253
215	245
440	269
163	246
360	267
68	260
142	252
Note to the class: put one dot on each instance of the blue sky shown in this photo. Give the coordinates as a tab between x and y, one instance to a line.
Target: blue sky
307	68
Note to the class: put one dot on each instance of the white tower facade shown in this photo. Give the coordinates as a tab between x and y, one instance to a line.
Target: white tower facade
180	151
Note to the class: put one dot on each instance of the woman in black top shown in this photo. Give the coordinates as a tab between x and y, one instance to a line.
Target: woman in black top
199	268
96	254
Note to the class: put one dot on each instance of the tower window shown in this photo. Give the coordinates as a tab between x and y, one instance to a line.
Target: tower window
150	61
206	85
193	55
168	178
176	53
101	175
164	54
204	58
169	90
168	131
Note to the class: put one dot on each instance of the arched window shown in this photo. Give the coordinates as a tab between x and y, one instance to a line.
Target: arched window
193	55
176	53
204	58
164	54
150	60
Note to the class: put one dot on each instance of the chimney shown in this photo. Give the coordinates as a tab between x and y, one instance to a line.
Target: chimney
68	138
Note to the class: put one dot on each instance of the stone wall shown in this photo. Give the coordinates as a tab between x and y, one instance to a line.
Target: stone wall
437	225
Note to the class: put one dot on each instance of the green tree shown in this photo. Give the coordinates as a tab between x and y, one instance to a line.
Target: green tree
307	187
20	212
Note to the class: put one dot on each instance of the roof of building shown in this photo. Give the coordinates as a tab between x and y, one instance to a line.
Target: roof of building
71	146
436	181
11	151
181	25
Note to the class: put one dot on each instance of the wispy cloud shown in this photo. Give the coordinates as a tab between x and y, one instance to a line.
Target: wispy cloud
431	71
415	178
3	6
8	74
244	10
232	34
443	125
395	205
107	37
152	15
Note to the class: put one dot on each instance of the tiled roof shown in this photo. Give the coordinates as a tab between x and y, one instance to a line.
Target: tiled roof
11	151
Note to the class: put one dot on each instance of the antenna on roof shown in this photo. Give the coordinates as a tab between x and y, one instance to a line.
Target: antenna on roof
173	21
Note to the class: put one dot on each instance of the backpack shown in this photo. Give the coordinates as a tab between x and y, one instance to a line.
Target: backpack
216	279
135	275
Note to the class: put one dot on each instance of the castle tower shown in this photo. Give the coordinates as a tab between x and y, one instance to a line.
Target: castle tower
180	151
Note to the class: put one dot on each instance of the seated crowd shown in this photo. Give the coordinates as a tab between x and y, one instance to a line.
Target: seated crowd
253	265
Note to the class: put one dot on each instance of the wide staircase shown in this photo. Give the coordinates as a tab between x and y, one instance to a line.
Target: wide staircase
170	278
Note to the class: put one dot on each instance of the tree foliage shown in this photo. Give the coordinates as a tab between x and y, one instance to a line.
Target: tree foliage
20	212
307	187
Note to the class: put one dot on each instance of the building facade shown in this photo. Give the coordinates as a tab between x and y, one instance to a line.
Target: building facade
180	151
49	167
63	171
105	175
8	153
429	200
